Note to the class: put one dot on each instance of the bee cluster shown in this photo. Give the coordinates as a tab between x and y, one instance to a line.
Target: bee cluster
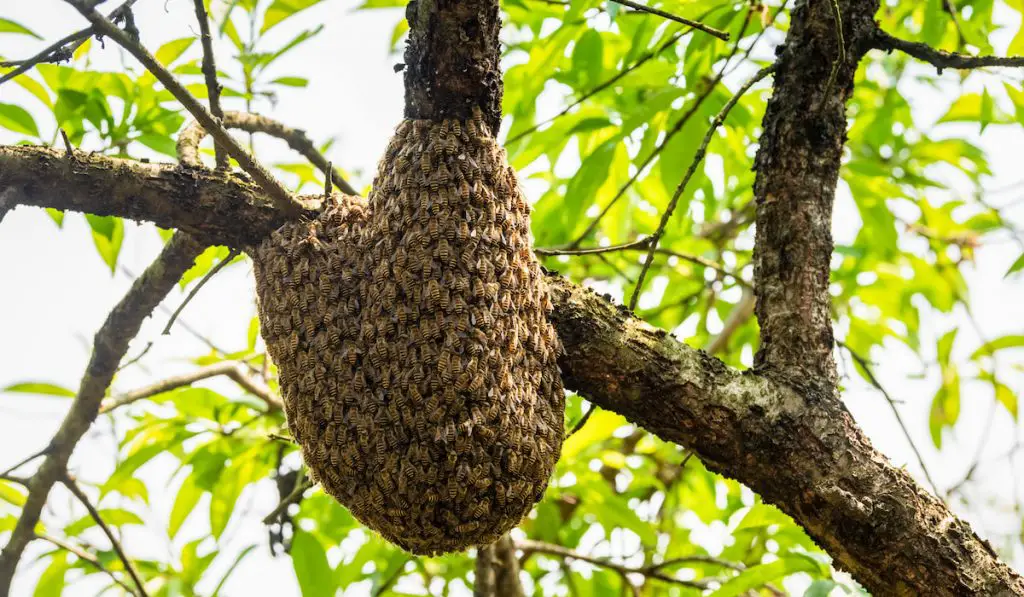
416	361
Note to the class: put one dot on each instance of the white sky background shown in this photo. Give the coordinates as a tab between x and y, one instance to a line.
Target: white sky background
55	290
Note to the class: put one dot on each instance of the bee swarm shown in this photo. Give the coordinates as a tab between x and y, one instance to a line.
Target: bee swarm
416	361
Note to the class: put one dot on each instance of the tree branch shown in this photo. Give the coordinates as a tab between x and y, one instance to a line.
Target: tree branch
653	572
942	59
210	74
234	370
192	135
85	557
109	348
722	35
114	542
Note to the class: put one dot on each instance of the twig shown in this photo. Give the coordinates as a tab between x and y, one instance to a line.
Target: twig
210	74
583	421
553	251
110	346
277	193
25	461
234	370
301	485
866	367
64	48
69	149
941	59
85	557
192	135
837	15
73	487
213	272
329	180
697	159
391	580
529	546
722	35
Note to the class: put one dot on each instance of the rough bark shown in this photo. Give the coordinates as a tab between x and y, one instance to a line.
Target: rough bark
797	169
803	454
451	60
216	205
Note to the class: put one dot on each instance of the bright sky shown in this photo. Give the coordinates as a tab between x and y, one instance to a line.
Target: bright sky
56	291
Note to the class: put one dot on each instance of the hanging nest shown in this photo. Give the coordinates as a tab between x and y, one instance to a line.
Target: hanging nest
416	361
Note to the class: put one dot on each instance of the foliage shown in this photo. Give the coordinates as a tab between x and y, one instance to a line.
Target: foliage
915	187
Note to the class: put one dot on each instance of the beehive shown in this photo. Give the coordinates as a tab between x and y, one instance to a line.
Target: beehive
416	361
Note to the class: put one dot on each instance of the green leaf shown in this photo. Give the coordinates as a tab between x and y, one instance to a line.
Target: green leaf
291	81
112	517
39	387
107	235
1007	397
758	576
184	503
311	567
9	26
52	582
1008	341
282	9
172	50
945	405
1016	267
12	493
17	119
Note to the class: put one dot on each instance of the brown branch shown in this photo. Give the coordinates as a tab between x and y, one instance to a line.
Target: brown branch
210	74
73	487
697	159
164	194
302	483
297	140
483	572
941	59
86	557
653	572
506	569
234	370
722	35
195	290
278	194
64	48
110	346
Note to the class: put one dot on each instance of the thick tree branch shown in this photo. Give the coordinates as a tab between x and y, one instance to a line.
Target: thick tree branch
801	453
111	343
192	200
942	59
